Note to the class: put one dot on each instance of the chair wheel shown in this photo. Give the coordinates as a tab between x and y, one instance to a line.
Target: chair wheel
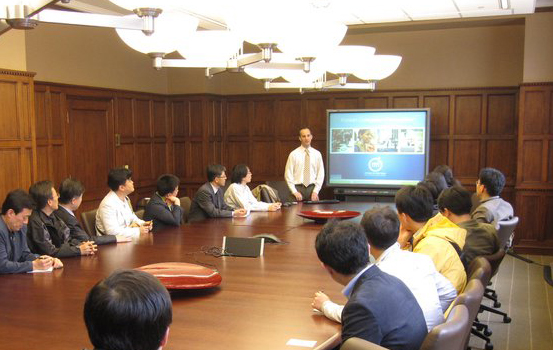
489	346
487	332
497	304
506	319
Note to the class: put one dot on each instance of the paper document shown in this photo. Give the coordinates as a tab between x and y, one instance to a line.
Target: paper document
41	271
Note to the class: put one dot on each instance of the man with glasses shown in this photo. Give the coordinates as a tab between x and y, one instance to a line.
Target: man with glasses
208	201
47	234
491	208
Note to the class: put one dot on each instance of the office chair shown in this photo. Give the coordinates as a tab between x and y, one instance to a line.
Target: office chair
471	298
360	344
282	189
451	334
140	214
142	203
185	204
89	221
505	231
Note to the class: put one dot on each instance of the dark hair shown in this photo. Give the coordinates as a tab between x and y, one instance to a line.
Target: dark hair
214	170
41	192
17	200
439	182
415	202
456	199
239	172
130	309
303	128
381	225
167	183
431	187
493	180
446	172
118	177
69	189
342	245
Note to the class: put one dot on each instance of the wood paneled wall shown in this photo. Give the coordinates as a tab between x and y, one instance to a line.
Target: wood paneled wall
534	186
18	159
155	134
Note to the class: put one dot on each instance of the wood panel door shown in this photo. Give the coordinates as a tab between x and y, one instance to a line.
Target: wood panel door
90	146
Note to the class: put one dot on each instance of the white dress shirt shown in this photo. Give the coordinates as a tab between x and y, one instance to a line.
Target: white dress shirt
114	217
432	290
293	172
240	196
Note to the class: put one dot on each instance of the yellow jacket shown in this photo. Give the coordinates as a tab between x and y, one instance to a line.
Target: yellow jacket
433	239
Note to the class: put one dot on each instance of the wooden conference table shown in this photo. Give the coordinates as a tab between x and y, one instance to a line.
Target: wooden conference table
261	303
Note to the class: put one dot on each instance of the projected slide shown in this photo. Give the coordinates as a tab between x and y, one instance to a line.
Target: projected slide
377	147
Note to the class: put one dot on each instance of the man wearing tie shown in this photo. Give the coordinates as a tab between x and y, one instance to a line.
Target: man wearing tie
304	172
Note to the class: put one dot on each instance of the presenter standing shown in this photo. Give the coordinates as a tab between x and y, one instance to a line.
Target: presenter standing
304	172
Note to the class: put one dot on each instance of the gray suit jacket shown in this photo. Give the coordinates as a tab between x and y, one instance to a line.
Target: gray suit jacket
492	210
208	204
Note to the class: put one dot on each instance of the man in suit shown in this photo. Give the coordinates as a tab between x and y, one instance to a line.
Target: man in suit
491	208
15	256
208	201
128	310
380	308
164	207
455	203
71	196
48	234
304	172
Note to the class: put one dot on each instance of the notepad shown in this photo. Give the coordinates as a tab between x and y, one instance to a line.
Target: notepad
42	271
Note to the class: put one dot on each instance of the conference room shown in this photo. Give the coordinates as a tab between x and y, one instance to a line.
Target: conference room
77	101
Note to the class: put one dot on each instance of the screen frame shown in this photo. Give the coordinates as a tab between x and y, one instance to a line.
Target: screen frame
390	110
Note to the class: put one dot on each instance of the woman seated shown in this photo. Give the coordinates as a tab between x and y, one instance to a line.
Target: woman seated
239	195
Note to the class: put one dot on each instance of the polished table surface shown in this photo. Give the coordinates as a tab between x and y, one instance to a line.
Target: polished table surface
261	303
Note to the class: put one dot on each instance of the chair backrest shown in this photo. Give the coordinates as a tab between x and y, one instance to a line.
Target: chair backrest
282	188
480	269
471	298
506	229
89	221
451	334
495	260
360	344
142	203
185	204
140	214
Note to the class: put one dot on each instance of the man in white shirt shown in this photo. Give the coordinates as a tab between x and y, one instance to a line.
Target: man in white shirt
304	172
432	290
115	215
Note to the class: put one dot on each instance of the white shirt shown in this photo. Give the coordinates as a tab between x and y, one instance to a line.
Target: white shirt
432	290
114	217
240	196
293	172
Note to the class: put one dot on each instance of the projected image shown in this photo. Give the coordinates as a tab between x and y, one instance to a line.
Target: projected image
342	140
387	140
411	141
366	141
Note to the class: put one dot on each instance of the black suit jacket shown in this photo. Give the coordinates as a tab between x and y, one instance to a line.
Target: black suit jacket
48	235
382	310
77	232
208	204
158	211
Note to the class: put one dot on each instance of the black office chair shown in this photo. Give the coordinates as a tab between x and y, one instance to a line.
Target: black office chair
89	221
282	189
142	203
185	203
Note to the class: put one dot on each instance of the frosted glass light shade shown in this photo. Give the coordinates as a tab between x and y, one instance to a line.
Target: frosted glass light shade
262	70
210	46
167	26
135	4
347	59
378	67
302	78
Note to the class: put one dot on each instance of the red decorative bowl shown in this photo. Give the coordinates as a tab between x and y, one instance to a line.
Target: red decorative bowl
176	275
321	215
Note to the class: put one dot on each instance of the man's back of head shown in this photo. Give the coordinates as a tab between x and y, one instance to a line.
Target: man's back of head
381	225
129	310
493	180
342	245
415	201
456	199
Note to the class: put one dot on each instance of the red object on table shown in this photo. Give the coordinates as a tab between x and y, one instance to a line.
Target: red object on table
177	275
321	216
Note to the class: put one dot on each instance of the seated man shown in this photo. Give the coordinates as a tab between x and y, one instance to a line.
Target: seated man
15	256
47	234
128	310
433	292
71	197
115	215
164	207
491	208
455	204
438	238
380	309
208	201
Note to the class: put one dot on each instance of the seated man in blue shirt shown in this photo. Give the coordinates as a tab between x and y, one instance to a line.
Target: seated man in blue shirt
380	308
164	208
15	256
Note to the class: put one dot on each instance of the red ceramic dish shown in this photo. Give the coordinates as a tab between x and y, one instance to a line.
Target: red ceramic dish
176	275
323	215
